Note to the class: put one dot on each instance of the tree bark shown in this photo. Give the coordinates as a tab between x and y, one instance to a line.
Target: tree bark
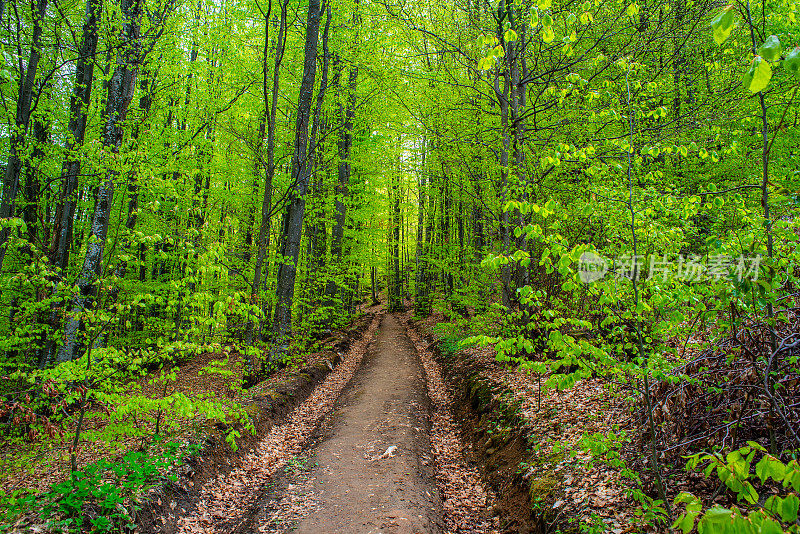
78	116
270	110
121	87
21	123
421	299
505	237
145	101
344	171
293	224
33	172
396	280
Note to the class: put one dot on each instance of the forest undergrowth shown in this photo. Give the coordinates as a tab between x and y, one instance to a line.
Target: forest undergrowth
600	197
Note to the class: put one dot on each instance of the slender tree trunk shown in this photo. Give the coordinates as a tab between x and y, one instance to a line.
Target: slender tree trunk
374	281
293	225
503	99
120	93
345	146
41	132
421	299
518	101
145	101
21	122
395	276
312	160
318	236
78	116
270	108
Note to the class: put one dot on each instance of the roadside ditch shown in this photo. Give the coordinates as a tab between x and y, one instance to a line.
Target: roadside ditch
273	401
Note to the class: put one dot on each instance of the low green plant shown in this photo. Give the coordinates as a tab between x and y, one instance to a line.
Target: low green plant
15	504
296	464
595	525
102	496
757	512
606	448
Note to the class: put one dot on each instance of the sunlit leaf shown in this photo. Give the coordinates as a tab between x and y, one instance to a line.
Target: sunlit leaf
757	78
722	25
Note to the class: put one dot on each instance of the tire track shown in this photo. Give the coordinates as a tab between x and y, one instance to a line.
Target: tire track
225	501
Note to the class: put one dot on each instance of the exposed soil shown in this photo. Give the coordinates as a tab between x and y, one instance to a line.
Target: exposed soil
373	449
285	408
526	441
370	468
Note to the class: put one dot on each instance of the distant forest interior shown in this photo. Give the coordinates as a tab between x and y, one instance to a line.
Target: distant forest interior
575	220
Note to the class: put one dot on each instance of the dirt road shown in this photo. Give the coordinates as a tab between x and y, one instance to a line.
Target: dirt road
374	469
360	455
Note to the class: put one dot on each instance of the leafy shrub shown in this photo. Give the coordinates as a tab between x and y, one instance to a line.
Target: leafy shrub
102	496
773	514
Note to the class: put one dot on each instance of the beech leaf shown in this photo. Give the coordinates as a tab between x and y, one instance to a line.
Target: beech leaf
757	78
792	62
722	25
771	49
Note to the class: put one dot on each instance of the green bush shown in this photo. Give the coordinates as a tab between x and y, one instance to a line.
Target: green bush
773	514
102	496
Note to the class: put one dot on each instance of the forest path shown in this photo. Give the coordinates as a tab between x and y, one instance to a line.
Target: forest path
369	467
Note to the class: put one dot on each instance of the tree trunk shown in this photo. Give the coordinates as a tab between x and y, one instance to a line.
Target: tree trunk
78	116
120	93
33	172
503	100
421	299
293	224
342	188
145	101
21	122
395	276
270	110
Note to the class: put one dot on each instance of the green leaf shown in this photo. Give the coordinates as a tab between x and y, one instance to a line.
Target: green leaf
792	62
757	78
773	504
722	25
770	466
792	477
685	522
790	507
749	493
771	49
771	527
714	520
